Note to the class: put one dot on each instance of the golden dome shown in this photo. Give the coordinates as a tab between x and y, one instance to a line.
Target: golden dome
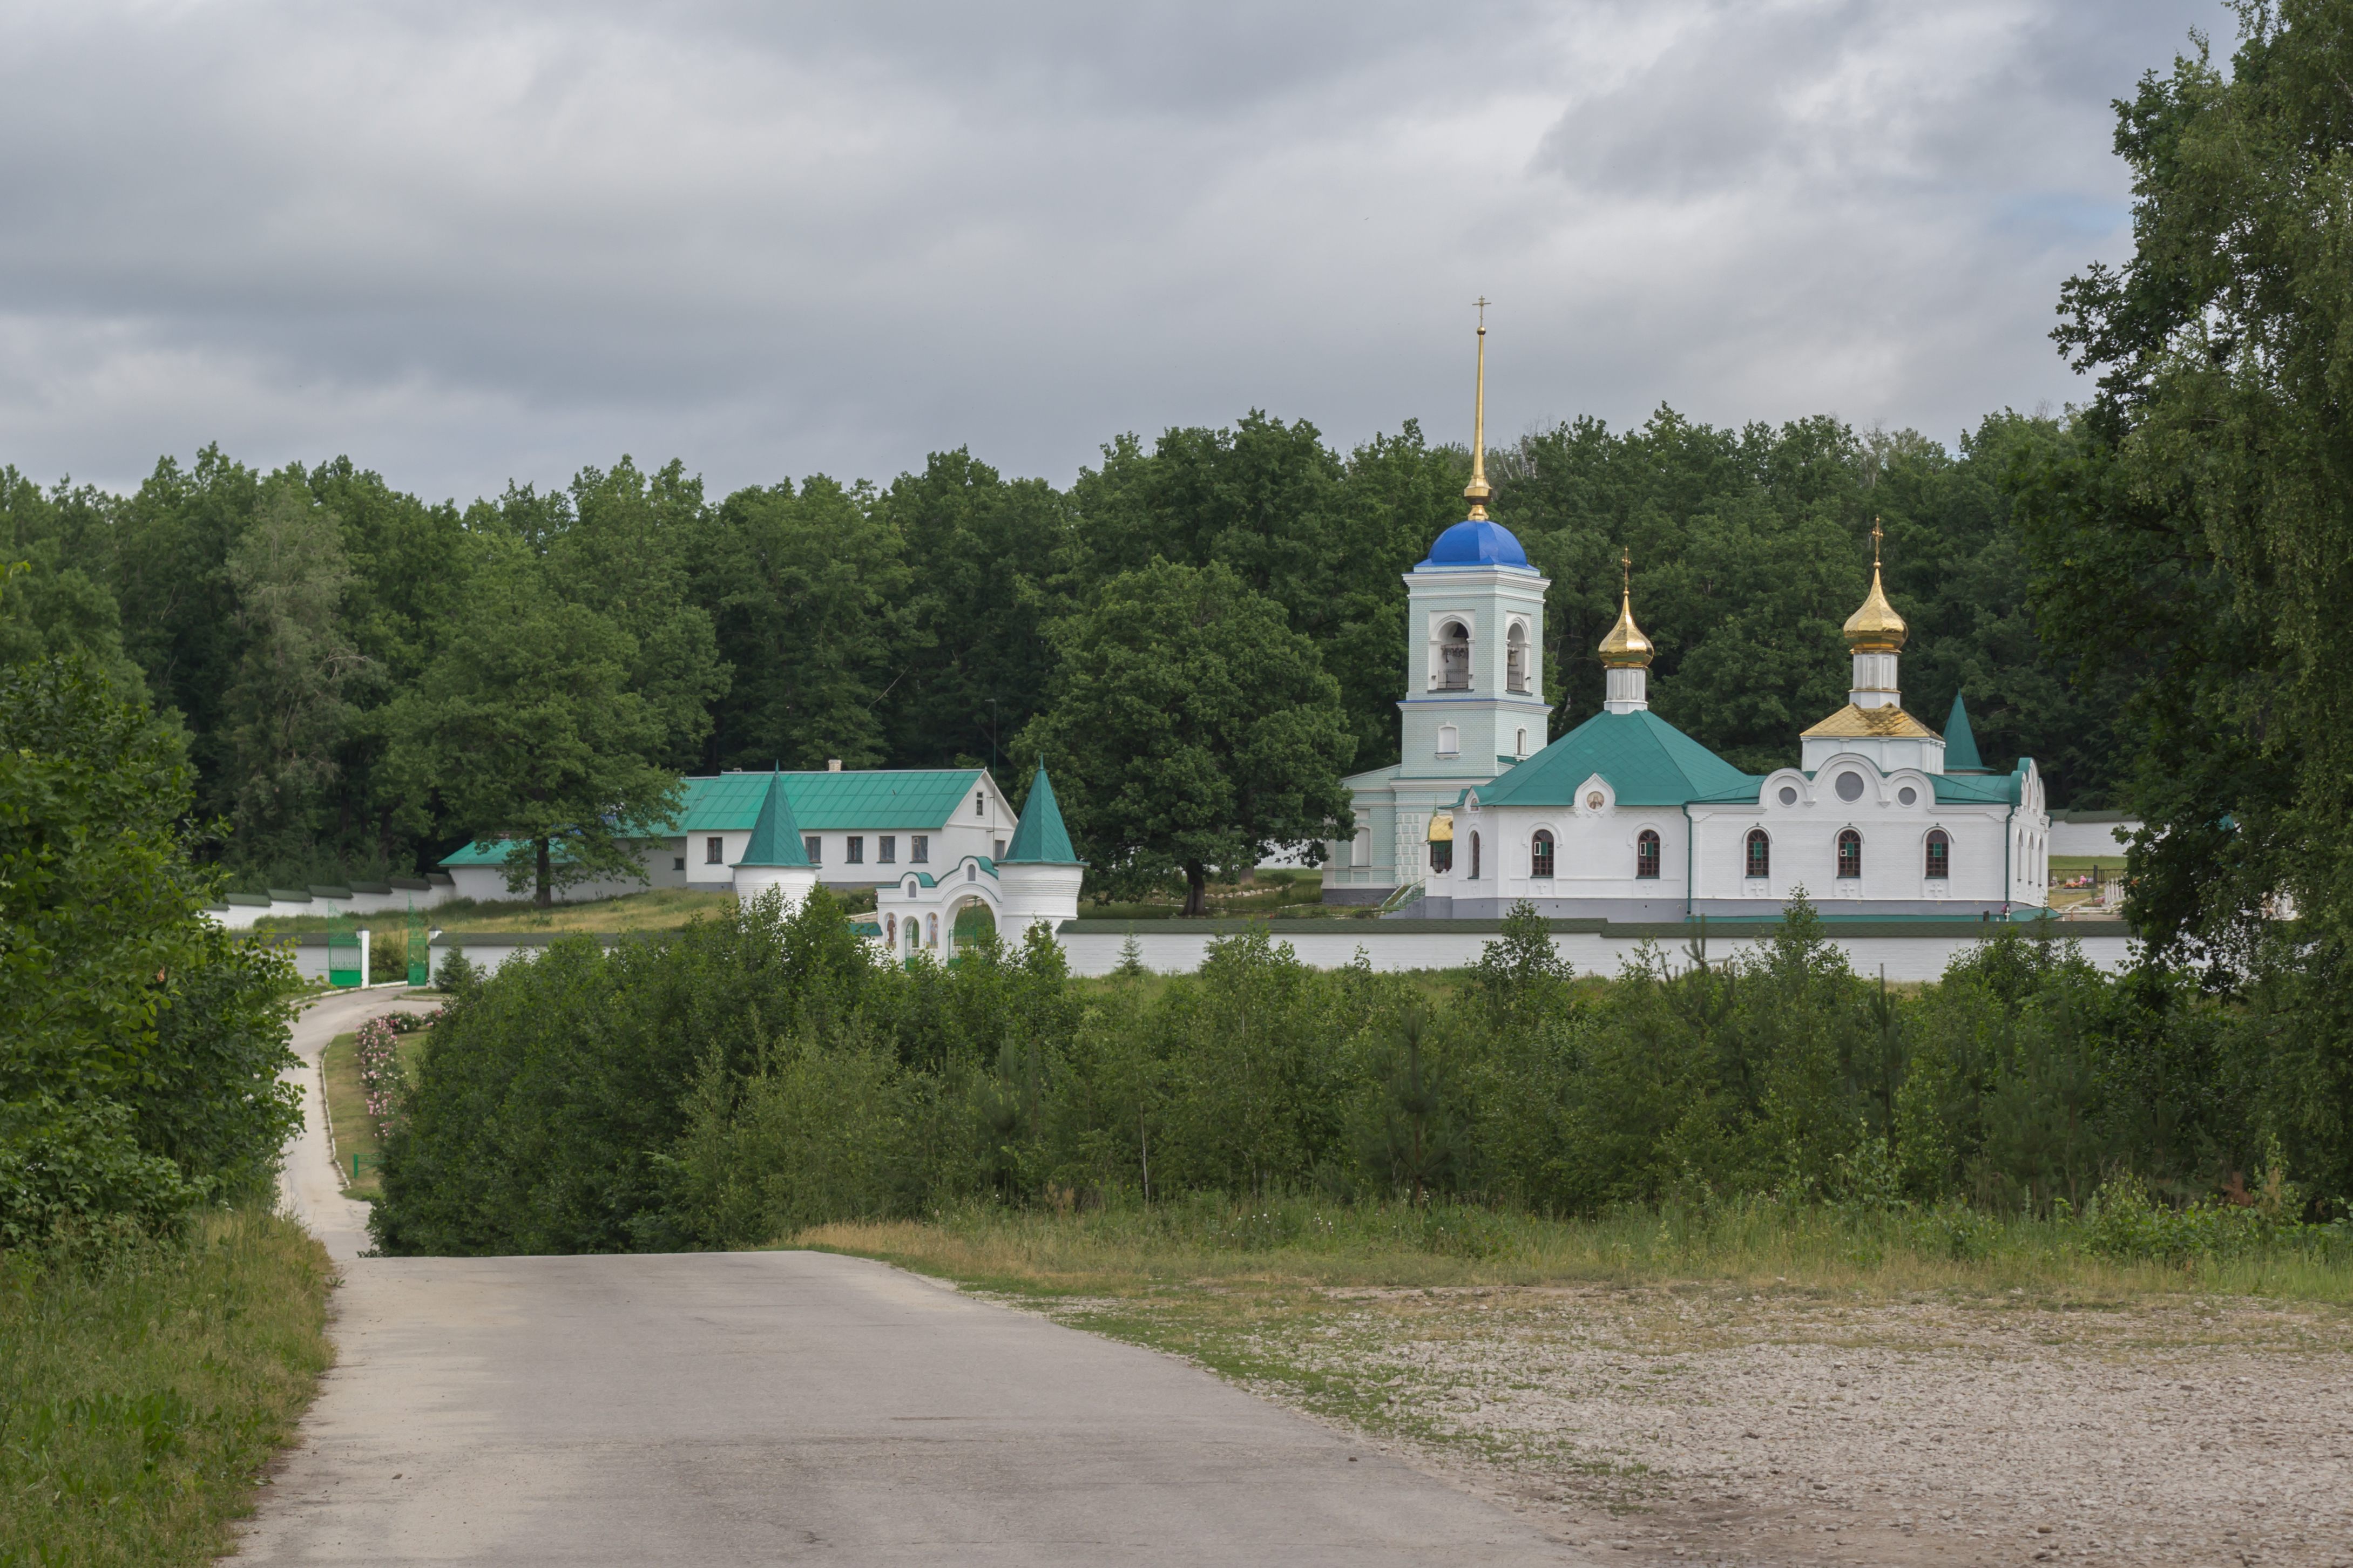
1876	627
1626	647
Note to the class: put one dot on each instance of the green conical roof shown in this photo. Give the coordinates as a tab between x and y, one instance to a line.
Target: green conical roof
1960	742
1039	838
775	835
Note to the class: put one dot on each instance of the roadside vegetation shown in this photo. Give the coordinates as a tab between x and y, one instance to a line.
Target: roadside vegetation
159	1330
757	1075
360	1074
147	1391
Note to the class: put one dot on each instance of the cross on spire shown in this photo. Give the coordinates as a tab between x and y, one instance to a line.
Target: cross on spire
1626	574
1875	537
1477	491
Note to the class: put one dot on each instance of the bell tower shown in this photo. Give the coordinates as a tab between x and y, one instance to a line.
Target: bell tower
1473	703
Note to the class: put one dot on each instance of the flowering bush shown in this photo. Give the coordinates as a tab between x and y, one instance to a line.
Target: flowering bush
382	1082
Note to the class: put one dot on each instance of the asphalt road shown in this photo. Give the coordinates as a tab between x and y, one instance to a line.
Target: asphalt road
794	1406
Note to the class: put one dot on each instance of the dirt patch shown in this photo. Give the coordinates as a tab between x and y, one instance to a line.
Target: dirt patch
1785	1428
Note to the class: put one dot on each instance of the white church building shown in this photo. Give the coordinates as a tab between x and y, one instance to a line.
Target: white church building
1628	818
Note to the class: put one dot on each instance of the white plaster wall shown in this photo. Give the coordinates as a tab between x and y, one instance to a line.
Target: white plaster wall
2091	837
1904	958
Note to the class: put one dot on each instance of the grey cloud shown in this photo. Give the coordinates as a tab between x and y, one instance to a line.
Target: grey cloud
466	243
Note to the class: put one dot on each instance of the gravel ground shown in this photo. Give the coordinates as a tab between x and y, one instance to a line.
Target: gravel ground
1787	1430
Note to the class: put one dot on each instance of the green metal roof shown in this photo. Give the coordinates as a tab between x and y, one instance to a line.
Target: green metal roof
1960	740
1647	761
1039	838
1981	789
913	800
775	835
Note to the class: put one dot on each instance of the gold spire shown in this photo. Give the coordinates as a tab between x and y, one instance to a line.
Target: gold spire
1626	647
1876	627
1476	492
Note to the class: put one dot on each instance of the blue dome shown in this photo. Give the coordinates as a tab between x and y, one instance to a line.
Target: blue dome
1476	542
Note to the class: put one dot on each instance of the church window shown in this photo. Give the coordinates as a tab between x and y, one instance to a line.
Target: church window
1475	856
886	849
1540	853
1940	853
814	847
1455	657
1449	741
1000	849
980	806
677	863
1442	856
1907	795
1520	743
1646	854
971	872
1789	794
1761	853
1515	658
1850	786
1850	853
919	848
714	852
857	854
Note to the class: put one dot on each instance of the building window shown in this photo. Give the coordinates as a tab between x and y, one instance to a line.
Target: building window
1516	658
1940	853
714	852
1449	741
1455	657
1520	743
677	863
980	806
1850	845
814	847
857	856
886	850
971	872
1442	856
1646	854
1761	853
1000	849
919	848
1540	853
1475	856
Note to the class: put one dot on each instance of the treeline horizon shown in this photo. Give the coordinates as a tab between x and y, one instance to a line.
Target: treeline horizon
282	619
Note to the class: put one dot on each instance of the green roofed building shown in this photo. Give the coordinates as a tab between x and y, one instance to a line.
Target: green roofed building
1625	817
857	828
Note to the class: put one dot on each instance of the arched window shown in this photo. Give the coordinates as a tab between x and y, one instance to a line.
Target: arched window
1455	657
1540	853
1850	847
1646	854
1449	741
1761	853
1516	658
1475	856
1940	853
1520	743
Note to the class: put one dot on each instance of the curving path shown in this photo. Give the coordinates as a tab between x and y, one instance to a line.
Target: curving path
722	1408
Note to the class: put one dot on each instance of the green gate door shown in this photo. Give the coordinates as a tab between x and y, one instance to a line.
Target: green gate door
343	967
419	974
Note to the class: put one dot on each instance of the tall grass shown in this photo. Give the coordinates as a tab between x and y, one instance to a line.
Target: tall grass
1748	1242
144	1393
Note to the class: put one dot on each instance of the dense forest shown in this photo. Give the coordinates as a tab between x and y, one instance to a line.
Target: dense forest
315	628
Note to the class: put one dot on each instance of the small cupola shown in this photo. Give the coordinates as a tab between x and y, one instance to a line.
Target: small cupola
1626	653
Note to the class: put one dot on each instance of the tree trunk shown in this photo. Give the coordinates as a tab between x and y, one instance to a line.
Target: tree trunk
545	895
1196	884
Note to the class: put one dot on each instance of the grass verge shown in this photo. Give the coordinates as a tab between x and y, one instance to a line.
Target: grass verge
144	1395
353	1128
1744	1244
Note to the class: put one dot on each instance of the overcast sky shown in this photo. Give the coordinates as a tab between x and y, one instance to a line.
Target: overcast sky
472	241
